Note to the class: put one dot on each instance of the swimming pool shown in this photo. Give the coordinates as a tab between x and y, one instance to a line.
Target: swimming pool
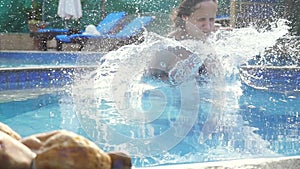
21	70
256	123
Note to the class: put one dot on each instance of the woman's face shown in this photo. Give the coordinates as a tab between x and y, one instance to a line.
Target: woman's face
200	23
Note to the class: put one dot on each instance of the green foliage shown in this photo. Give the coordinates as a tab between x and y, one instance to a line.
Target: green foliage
34	12
14	13
224	7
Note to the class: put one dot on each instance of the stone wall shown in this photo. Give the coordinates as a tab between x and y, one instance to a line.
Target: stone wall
16	41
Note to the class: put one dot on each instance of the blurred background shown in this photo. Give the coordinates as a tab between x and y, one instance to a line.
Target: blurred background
15	15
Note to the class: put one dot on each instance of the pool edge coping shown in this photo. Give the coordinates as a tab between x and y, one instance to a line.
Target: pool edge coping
265	163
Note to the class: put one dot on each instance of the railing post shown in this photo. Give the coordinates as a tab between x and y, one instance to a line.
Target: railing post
232	13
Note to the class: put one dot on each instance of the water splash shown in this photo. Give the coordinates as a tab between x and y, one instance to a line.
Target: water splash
98	109
237	46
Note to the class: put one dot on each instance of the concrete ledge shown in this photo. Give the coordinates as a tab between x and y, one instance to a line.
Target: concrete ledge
258	163
16	41
23	41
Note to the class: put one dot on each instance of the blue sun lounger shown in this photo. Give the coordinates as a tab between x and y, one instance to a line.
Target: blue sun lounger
107	25
129	34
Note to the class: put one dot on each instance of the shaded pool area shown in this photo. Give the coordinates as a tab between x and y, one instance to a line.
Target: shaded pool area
36	59
21	70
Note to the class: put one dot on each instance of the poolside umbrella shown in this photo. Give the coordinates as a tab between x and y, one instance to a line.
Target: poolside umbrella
69	9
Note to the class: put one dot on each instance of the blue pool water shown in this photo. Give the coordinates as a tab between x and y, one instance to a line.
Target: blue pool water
38	59
155	123
276	116
27	70
265	124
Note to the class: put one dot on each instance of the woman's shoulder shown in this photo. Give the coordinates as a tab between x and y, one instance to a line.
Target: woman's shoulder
176	34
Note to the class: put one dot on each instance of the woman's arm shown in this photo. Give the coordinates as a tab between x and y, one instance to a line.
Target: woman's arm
174	64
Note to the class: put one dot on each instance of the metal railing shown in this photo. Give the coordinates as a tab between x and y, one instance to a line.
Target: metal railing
257	12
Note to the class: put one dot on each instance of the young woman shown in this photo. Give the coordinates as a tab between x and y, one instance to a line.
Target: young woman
194	19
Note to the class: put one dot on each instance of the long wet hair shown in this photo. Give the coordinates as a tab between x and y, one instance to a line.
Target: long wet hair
186	8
